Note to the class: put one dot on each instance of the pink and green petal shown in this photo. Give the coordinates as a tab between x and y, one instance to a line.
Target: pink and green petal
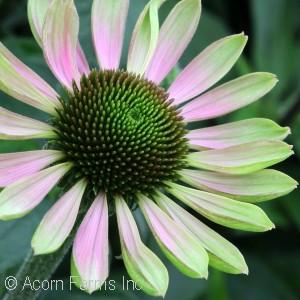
60	37
37	13
236	133
143	266
241	159
222	254
14	166
90	249
20	82
82	63
175	34
222	210
58	222
108	27
254	187
207	68
229	97
22	196
144	38
181	248
17	127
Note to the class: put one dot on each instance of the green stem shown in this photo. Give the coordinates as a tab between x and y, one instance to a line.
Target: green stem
36	268
39	268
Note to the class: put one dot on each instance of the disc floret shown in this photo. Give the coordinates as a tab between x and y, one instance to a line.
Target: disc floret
121	132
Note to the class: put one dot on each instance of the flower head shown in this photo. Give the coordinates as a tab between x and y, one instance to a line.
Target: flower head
117	139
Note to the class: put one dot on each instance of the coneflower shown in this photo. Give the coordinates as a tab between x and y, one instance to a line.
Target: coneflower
117	139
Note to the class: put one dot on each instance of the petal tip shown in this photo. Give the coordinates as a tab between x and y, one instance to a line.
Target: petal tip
272	227
245	269
288	129
243	36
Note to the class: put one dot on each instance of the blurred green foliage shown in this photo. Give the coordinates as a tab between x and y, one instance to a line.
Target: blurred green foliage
273	258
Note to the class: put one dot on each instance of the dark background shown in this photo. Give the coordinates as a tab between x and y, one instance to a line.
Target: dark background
273	27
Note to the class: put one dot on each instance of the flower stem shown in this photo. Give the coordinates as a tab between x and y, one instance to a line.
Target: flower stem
38	268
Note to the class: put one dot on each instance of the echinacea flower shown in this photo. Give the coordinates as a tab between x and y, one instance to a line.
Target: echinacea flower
117	138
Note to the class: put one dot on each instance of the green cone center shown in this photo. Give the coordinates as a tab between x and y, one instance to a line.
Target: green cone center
121	133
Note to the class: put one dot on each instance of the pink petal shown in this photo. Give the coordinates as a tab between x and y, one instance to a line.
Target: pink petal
222	254
90	250
82	63
223	210
142	265
184	251
236	133
58	221
207	68
254	187
14	166
241	159
17	127
229	97
108	27
175	34
19	81
144	38
37	13
60	38
22	196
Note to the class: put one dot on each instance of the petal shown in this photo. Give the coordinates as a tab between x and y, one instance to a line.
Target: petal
222	210
25	194
14	166
229	97
175	34
181	248
58	222
143	266
144	38
236	133
37	13
22	83
90	250
82	63
60	36
17	127
241	159
207	68
222	254
254	187
108	27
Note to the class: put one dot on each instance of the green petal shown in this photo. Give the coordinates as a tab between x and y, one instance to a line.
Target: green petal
76	278
144	38
236	133
143	266
229	97
254	187
222	254
241	159
224	211
180	247
207	68
37	12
